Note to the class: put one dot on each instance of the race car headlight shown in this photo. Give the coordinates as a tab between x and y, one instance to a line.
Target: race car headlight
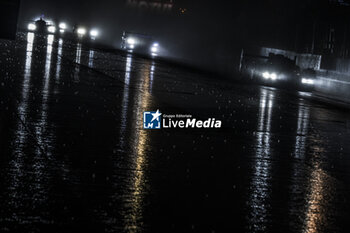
94	33
31	27
266	75
307	81
131	41
81	31
154	49
62	26
51	29
273	76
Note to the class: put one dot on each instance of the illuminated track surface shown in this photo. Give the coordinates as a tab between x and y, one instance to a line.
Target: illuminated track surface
75	156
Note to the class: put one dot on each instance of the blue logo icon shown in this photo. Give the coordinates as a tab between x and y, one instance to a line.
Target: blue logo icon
152	120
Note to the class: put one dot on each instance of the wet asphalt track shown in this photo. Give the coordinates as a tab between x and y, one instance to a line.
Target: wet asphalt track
75	158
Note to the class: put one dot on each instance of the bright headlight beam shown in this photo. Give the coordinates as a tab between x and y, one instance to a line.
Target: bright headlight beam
51	29
273	76
81	31
31	27
131	41
94	33
266	75
307	81
63	26
154	49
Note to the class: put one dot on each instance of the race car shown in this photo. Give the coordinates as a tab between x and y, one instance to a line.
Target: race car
48	27
280	70
139	43
42	26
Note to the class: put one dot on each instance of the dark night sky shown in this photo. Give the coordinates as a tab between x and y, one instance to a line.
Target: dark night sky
210	29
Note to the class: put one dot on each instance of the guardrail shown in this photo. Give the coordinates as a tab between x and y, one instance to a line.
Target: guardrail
333	85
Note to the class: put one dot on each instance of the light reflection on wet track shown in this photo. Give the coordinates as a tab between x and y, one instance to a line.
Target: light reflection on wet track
260	186
74	155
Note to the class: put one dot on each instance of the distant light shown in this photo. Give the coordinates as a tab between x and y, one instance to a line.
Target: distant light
81	31
51	29
307	81
94	33
31	27
182	10
63	26
154	49
273	76
266	75
155	44
154	54
131	41
61	30
132	46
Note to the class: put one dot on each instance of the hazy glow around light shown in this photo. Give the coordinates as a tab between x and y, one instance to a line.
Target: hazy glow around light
307	81
49	22
94	33
131	41
32	27
273	76
63	26
154	49
266	75
81	31
51	29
